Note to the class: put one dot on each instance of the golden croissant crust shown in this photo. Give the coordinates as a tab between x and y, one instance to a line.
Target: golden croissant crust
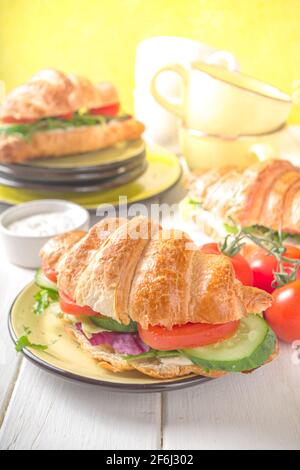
132	269
53	93
266	193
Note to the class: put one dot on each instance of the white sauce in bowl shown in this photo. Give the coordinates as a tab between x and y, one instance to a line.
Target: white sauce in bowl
44	224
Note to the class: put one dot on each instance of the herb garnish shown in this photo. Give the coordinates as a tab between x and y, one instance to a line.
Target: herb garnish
24	342
44	298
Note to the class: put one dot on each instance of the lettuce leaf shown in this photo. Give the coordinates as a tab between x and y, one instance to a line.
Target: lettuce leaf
26	131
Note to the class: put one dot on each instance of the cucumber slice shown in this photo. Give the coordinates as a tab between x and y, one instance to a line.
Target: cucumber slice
112	325
42	281
251	345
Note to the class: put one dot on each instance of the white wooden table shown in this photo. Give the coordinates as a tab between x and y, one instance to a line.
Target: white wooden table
41	411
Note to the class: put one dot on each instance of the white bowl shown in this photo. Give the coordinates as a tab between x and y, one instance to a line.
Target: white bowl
23	250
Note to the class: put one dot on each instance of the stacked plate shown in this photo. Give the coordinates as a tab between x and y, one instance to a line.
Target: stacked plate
84	173
93	179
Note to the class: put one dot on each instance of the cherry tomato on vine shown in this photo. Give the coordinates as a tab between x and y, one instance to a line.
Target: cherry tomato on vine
284	314
264	265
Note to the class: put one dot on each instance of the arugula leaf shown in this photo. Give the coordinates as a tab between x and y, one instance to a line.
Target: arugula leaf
44	298
25	131
153	353
193	201
24	342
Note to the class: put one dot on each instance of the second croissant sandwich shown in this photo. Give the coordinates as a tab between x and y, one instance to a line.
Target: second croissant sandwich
55	114
263	196
135	296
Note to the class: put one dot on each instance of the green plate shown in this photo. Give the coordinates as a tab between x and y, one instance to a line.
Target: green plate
163	172
64	358
110	157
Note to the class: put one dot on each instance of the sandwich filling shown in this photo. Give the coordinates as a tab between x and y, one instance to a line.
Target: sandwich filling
192	210
26	128
234	346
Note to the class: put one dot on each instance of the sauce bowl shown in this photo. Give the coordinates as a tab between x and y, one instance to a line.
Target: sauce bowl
23	249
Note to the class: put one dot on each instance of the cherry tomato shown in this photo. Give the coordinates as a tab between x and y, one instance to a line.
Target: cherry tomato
264	265
50	273
241	267
191	335
284	314
12	120
68	306
110	110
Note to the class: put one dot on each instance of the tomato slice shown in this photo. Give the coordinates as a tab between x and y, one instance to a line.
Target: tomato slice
12	120
191	335
68	306
50	273
110	110
66	117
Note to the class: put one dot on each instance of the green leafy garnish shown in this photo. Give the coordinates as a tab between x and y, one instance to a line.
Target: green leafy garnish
193	201
153	353
24	342
43	299
79	119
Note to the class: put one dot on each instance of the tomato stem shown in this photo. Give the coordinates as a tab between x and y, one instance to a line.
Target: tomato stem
270	243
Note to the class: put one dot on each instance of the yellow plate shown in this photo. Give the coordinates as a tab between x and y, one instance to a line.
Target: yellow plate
65	358
163	172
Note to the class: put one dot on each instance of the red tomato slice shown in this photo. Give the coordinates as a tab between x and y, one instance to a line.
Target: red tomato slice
66	117
12	120
241	267
68	306
50	273
110	110
191	335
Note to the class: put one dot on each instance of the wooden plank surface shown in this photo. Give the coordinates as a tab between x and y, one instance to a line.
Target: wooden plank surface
47	412
12	280
255	411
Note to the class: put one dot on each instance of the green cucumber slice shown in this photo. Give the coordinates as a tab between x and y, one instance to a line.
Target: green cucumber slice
112	325
251	345
42	281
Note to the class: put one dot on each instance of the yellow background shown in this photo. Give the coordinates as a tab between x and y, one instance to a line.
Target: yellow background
98	38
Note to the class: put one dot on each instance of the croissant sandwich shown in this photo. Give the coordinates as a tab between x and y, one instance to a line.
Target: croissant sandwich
55	114
135	296
264	196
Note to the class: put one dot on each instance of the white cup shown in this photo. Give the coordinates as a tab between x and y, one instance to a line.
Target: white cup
154	53
218	101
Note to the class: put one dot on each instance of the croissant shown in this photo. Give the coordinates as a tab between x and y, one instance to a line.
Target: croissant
53	94
134	270
265	194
